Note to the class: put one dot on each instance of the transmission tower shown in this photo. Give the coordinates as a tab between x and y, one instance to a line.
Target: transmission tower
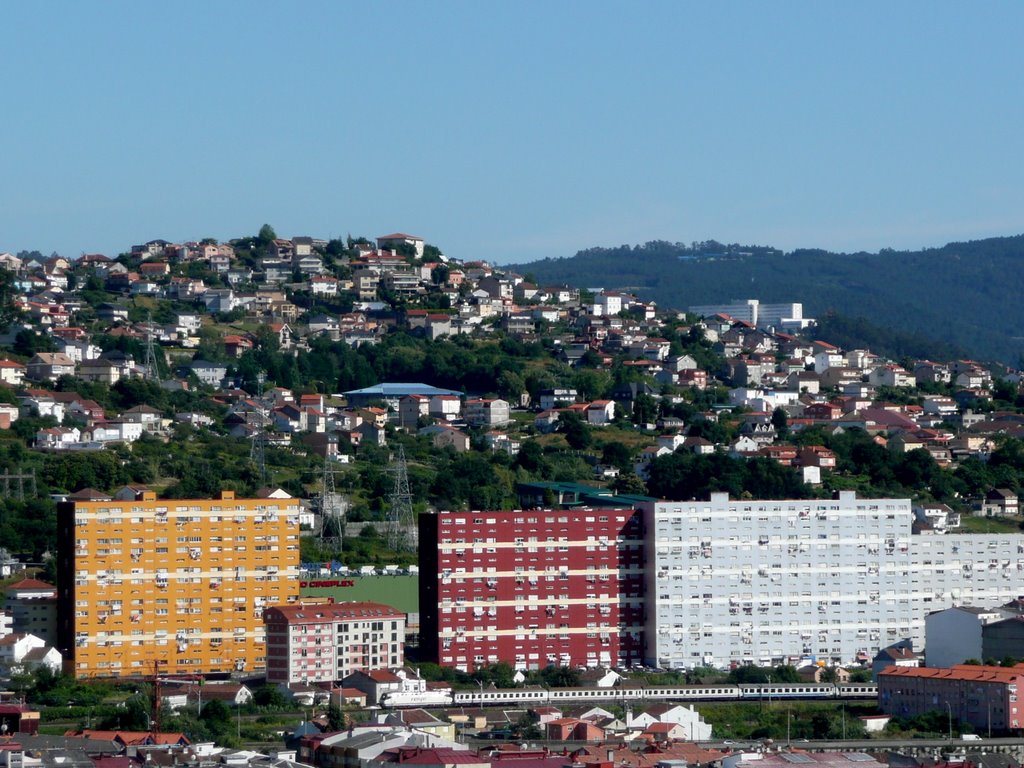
12	484
152	371
401	523
332	507
257	451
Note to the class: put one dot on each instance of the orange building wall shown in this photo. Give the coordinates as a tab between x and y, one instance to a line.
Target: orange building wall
183	582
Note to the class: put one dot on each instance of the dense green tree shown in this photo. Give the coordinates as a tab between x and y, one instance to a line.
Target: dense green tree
577	432
9	311
781	422
616	454
266	235
645	409
215	715
27	343
335	718
267	695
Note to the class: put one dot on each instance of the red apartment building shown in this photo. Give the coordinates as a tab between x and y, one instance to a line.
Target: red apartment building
532	588
984	696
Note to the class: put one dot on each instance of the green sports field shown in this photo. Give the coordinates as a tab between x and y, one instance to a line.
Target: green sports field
399	592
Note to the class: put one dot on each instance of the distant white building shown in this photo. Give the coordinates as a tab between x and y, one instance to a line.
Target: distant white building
789	316
607	304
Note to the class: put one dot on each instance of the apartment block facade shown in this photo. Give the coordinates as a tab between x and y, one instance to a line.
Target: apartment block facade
984	696
32	605
308	643
182	583
532	588
759	581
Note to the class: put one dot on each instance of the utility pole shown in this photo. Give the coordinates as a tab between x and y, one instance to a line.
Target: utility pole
154	721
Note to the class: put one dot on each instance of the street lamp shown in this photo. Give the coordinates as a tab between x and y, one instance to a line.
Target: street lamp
949	720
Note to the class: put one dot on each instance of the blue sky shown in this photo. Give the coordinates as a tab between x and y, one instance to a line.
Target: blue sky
511	131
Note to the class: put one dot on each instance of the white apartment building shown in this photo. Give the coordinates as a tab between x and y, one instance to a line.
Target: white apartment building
760	582
326	642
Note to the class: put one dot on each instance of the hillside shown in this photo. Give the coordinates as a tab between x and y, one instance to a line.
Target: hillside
963	294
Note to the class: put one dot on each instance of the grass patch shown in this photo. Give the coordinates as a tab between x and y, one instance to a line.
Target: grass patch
401	592
971	524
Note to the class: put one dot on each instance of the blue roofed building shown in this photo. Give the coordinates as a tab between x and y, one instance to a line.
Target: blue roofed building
391	392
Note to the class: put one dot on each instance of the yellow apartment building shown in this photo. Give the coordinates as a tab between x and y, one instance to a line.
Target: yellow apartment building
178	582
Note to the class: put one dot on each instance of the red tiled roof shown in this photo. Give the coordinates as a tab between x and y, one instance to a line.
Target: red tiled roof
25	584
974	672
661	727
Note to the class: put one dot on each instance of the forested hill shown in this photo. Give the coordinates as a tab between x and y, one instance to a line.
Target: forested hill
968	295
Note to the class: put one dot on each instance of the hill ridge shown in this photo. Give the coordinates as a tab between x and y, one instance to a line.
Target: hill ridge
964	293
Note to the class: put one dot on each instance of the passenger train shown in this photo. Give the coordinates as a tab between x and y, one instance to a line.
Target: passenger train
537	695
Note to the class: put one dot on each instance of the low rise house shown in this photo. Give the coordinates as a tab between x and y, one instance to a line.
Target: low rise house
100	370
900	654
445	407
12	373
393	685
601	412
151	419
572	729
23	652
1001	502
442	436
487	412
58	438
208	373
49	366
692	725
